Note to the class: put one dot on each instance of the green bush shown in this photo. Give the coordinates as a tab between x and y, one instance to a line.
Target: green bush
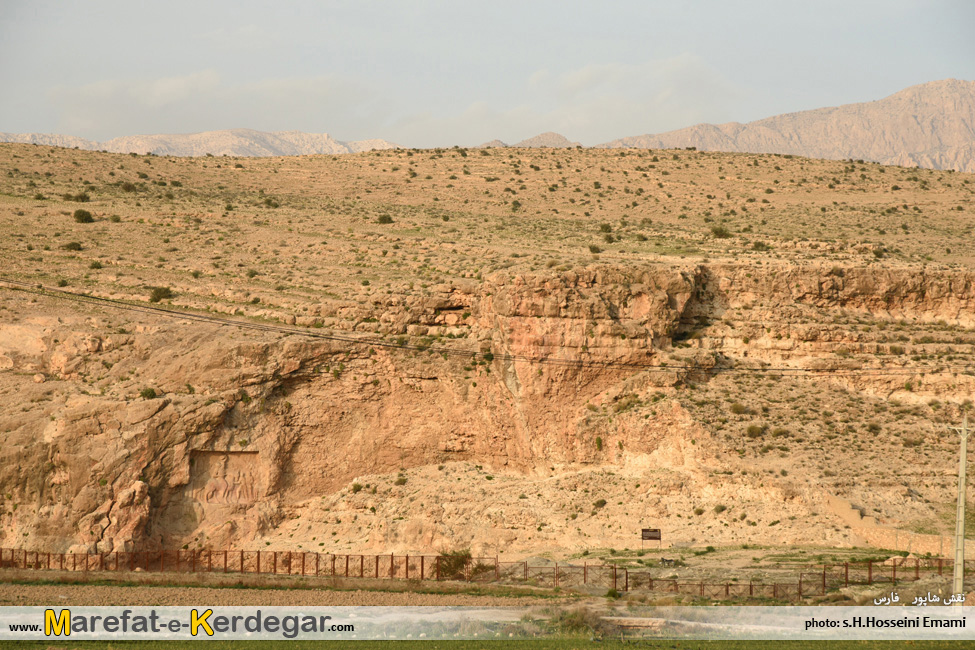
452	565
83	216
384	218
160	293
754	431
148	393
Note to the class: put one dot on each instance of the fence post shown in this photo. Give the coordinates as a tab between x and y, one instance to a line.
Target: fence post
917	569
526	570
317	559
258	561
302	563
585	573
407	566
362	566
274	563
893	572
422	566
626	579
377	567
614	577
940	566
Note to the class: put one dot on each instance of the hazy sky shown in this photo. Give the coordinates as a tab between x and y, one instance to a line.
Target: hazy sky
430	73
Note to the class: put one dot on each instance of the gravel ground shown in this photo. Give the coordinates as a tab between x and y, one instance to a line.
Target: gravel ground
218	590
14	594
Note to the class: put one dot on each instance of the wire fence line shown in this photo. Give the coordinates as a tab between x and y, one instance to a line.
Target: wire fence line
817	581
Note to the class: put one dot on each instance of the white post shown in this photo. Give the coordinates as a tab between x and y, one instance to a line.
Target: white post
958	584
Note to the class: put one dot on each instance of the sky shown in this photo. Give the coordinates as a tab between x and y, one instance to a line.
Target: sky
443	73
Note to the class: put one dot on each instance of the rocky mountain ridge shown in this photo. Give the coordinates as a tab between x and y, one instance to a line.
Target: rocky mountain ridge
929	125
232	142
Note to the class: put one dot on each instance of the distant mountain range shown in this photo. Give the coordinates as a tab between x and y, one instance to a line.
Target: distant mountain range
930	125
546	140
233	142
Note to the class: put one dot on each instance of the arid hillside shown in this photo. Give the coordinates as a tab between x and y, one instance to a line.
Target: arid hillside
519	351
931	125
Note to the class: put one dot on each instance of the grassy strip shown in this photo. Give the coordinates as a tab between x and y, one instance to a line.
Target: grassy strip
569	643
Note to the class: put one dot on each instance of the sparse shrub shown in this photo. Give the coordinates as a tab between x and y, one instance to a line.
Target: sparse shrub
738	409
595	250
384	218
452	565
720	232
698	511
356	488
148	393
718	509
72	246
95	265
160	293
599	504
755	431
599	443
83	216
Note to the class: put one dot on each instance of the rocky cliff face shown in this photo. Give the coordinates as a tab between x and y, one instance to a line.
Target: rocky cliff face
253	437
931	125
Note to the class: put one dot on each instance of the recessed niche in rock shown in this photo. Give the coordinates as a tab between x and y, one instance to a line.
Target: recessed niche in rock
225	477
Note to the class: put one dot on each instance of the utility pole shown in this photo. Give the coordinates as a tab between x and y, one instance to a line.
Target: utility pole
958	584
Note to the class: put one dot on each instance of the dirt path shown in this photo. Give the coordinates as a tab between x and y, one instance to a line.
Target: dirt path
21	594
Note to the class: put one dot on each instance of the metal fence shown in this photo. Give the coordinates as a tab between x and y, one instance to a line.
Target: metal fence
482	569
